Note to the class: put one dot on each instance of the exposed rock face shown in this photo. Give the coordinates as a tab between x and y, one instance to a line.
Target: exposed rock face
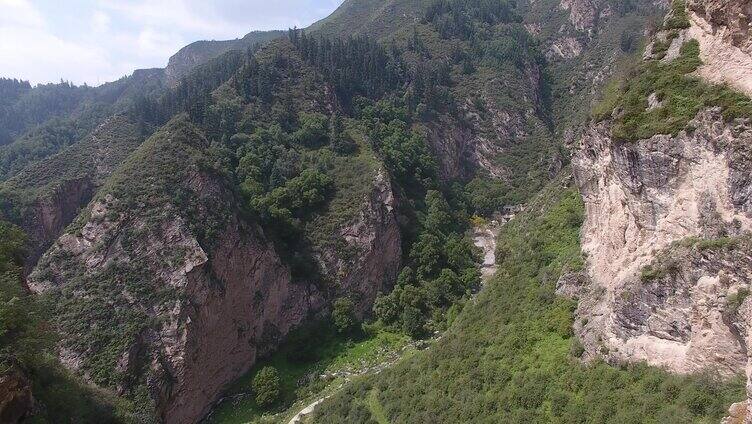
200	52
489	126
728	19
51	213
658	292
16	401
722	29
55	190
220	331
640	197
221	307
174	293
376	244
582	13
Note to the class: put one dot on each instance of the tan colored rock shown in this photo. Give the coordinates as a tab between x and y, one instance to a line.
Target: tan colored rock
647	203
728	20
724	62
640	199
582	13
737	414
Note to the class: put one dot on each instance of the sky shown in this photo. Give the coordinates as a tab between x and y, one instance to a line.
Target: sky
96	41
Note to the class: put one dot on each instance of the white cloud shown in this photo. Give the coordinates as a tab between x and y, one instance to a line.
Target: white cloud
100	22
19	13
29	51
158	43
180	15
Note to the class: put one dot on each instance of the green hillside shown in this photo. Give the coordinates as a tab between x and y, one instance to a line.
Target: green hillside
510	356
454	110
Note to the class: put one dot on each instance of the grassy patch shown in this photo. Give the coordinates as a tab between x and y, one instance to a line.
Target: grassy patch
734	301
376	408
681	97
651	273
678	18
353	182
91	159
309	353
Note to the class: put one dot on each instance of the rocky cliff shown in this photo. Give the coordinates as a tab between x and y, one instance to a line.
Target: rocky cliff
200	52
722	28
666	235
641	199
16	400
373	244
47	196
729	19
166	292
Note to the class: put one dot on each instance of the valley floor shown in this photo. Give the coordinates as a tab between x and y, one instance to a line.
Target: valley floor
366	357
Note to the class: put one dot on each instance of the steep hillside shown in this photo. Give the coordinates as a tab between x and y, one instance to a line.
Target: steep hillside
169	256
370	17
200	52
48	119
665	178
45	197
166	267
511	356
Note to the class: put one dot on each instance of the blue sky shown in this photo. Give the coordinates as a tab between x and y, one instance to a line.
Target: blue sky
96	41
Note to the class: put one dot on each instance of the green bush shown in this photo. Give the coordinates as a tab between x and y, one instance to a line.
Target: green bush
682	96
678	18
266	386
343	315
735	300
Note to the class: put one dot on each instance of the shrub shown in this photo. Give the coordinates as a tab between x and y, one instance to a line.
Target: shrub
343	315
266	386
412	321
735	300
678	18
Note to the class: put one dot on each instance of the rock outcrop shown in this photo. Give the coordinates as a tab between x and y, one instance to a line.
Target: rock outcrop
200	52
668	225
374	243
728	19
166	291
668	249
50	194
722	29
641	199
492	125
16	400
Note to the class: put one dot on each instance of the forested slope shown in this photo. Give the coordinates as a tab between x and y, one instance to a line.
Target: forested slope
318	190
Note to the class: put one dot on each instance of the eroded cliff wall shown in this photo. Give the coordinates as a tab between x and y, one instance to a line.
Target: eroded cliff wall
667	228
166	292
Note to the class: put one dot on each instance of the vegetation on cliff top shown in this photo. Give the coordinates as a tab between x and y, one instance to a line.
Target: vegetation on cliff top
679	96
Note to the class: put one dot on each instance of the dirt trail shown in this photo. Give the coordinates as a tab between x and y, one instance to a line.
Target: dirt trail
484	237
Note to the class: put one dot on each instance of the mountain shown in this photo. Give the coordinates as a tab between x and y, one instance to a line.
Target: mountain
199	52
281	228
662	168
